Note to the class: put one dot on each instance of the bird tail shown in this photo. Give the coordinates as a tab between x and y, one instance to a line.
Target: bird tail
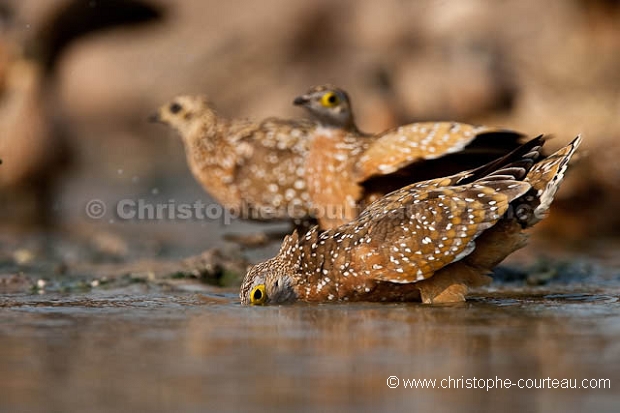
545	178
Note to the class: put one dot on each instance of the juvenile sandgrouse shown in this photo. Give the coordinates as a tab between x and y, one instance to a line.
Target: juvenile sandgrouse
300	169
426	242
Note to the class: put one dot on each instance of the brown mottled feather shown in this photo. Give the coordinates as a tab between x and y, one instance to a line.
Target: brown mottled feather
394	149
334	192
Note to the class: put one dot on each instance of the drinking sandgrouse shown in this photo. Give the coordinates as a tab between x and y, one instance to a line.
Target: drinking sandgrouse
426	242
299	169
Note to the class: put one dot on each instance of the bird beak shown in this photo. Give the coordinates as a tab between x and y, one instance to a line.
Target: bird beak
301	100
154	117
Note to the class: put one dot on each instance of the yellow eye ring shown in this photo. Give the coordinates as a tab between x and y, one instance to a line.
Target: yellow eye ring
330	99
258	295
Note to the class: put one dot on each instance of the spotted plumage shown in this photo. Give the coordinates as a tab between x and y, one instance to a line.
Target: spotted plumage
256	168
347	169
429	241
324	169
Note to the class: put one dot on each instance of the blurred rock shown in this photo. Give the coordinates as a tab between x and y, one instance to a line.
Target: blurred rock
15	283
28	150
33	149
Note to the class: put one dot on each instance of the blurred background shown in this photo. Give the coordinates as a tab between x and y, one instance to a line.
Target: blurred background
78	79
105	314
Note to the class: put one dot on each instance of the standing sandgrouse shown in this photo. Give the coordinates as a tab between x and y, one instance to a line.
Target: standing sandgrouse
347	169
255	168
429	241
299	169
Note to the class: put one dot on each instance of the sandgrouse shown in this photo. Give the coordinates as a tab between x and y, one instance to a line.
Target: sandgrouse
257	168
426	242
347	169
325	169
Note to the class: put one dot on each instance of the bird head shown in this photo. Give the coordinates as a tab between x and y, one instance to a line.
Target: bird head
328	104
272	281
184	113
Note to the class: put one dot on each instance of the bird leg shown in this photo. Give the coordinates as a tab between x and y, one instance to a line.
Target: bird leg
450	284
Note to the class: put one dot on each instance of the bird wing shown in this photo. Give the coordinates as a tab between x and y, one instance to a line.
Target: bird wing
271	156
411	143
528	152
546	177
410	234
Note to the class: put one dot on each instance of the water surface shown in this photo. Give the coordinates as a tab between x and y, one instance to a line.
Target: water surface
141	351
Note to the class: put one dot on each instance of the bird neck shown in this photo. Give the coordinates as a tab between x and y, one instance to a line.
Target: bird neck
202	133
347	123
212	161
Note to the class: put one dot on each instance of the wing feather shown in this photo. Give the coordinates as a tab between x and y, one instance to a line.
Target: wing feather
409	235
407	144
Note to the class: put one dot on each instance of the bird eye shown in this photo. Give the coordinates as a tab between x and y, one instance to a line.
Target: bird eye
330	99
258	296
175	107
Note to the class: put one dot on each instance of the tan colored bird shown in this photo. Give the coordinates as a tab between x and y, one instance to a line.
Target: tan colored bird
282	169
426	242
347	169
257	168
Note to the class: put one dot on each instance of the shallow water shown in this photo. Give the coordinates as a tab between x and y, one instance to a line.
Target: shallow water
130	351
